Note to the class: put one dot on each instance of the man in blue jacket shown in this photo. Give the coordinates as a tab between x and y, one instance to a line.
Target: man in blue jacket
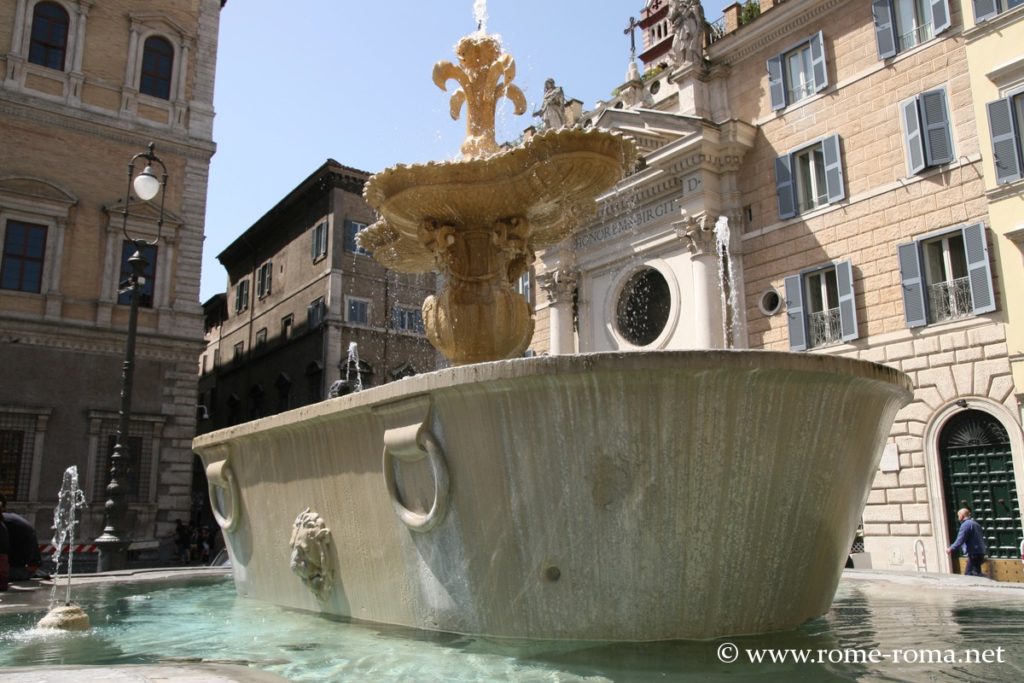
972	540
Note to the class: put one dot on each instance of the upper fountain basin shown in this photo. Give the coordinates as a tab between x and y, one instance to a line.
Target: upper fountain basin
551	181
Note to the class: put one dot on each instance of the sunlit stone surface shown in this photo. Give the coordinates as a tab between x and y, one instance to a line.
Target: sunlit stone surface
636	496
68	617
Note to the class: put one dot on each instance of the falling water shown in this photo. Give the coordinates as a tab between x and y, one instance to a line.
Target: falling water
69	501
352	367
726	282
480	14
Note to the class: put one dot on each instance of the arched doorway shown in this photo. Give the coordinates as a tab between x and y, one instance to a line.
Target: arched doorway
977	473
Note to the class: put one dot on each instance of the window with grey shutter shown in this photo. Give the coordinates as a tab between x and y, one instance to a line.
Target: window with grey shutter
795	314
1005	140
978	270
938	140
985	9
833	169
914	308
818	66
776	85
940	16
847	302
885	31
912	136
784	186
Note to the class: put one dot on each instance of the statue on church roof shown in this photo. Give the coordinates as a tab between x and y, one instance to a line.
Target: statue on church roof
688	26
552	109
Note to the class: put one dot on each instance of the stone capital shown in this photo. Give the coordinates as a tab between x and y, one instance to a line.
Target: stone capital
698	233
558	284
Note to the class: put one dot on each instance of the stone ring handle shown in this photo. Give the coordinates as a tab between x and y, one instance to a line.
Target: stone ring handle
410	444
219	475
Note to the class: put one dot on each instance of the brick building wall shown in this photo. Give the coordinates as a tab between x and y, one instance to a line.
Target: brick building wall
68	134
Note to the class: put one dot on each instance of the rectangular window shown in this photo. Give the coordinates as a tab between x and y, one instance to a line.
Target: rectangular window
357	311
241	296
24	250
261	337
352	228
263	279
524	286
407	319
315	313
904	24
146	281
1005	123
820	306
927	134
319	245
286	326
239	351
946	277
986	9
809	177
798	73
11	450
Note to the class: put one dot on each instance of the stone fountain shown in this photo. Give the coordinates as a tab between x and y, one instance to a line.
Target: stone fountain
620	496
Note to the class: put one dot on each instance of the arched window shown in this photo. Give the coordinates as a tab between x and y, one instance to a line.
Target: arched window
49	42
157	66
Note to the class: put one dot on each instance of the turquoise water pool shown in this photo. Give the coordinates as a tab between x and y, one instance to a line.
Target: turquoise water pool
876	631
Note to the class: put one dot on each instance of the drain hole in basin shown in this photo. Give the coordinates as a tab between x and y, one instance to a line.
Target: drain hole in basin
552	573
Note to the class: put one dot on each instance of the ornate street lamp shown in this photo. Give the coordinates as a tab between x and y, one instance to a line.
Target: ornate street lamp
113	545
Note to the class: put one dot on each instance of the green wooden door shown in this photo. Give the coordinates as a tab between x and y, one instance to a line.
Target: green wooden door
977	473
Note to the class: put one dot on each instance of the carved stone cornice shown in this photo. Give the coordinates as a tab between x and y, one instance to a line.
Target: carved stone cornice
558	284
105	126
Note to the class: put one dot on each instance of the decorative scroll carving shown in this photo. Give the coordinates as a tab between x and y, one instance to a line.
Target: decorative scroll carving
311	557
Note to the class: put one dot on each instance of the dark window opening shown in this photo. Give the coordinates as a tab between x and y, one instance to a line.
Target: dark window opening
157	66
24	250
49	42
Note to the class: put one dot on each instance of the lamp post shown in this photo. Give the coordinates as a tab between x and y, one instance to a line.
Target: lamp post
113	543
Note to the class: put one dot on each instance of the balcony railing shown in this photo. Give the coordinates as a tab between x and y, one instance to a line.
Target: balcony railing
915	37
800	92
716	29
949	300
825	327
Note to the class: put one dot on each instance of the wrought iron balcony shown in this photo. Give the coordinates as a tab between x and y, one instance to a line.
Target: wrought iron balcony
949	300
824	327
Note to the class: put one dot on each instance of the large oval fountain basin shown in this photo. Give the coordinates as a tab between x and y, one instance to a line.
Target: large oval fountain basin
630	496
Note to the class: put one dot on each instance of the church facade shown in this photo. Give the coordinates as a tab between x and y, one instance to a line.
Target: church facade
813	179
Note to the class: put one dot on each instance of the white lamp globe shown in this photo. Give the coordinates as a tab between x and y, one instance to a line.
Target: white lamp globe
146	184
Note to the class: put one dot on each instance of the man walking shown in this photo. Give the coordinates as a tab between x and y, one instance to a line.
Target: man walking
972	540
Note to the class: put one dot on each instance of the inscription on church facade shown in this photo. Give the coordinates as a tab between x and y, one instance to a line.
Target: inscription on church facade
621	219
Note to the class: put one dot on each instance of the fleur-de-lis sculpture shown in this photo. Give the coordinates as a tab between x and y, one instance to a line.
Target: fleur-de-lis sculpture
485	75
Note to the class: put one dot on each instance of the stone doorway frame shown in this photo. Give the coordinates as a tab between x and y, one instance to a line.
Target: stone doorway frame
933	463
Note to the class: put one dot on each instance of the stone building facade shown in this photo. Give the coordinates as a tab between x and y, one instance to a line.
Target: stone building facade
83	87
300	293
815	181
